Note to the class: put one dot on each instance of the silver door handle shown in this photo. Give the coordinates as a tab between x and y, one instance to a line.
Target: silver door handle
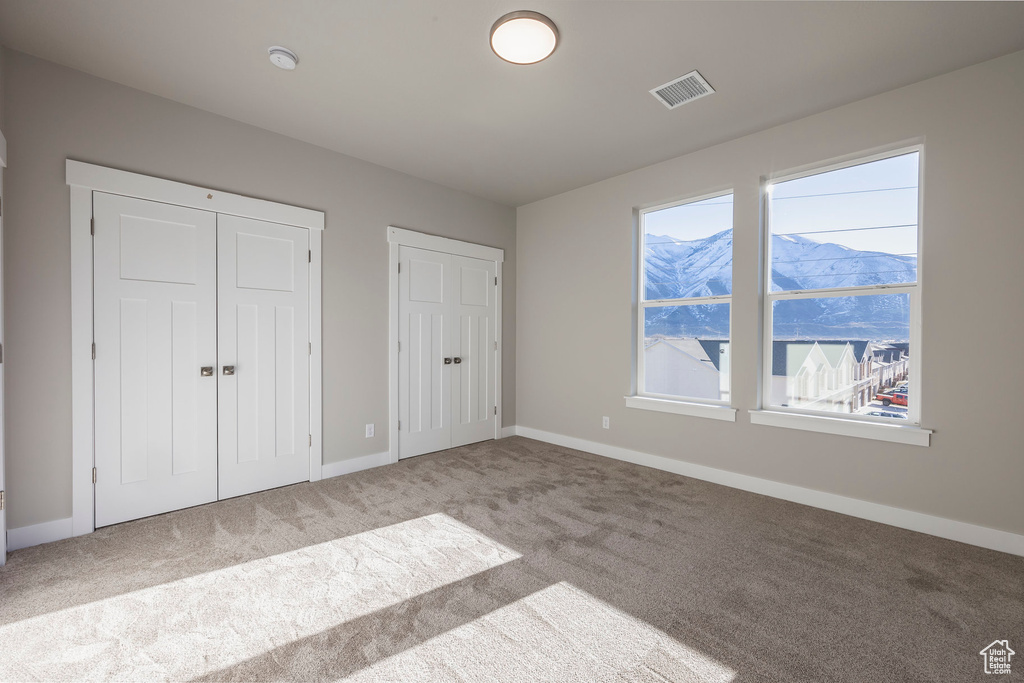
229	369
457	360
447	361
206	371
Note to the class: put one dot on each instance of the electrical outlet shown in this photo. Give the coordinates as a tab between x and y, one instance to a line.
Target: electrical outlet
606	423
369	430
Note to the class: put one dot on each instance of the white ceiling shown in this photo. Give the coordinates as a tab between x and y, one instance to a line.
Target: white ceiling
413	85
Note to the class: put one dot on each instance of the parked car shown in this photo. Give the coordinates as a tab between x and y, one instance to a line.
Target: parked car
892	397
883	413
902	386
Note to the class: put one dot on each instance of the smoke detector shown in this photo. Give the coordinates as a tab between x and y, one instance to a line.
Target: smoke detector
283	58
684	89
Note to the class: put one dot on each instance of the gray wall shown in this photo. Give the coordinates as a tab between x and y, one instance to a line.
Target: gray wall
53	113
574	298
2	80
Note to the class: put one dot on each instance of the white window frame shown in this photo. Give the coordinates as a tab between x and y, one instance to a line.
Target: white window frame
824	421
683	405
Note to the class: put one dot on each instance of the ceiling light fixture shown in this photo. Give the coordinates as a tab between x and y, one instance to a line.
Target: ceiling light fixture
524	37
283	58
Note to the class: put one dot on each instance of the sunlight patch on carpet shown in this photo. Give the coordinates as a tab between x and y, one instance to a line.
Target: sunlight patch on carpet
213	620
560	633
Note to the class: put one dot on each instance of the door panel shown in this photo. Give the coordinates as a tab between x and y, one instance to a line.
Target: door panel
424	381
184	387
473	400
155	326
245	410
263	288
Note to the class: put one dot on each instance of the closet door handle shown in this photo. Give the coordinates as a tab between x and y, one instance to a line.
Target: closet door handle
447	361
229	369
457	360
206	371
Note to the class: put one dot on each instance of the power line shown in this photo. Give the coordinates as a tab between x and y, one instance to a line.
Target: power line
873	255
820	232
691	205
855	272
845	258
834	194
670	240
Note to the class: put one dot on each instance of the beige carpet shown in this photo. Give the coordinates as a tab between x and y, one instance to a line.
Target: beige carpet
507	561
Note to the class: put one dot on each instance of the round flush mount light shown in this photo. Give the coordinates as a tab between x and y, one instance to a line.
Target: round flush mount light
524	37
283	58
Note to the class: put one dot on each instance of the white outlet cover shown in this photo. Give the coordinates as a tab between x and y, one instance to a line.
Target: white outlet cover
606	423
369	431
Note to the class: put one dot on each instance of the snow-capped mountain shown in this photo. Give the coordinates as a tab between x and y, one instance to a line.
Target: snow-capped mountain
676	269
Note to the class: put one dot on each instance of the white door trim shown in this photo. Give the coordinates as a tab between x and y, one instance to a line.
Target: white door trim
399	237
83	179
3	478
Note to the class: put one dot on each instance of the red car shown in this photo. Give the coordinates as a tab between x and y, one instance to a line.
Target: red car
892	396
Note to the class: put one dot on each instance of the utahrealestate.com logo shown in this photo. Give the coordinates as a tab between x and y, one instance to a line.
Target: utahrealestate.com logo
997	657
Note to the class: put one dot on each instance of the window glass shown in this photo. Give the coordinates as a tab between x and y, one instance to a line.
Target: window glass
841	354
854	230
684	315
686	351
853	227
688	250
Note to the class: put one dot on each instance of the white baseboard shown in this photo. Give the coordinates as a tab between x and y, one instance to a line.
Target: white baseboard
365	462
508	431
37	534
59	529
993	539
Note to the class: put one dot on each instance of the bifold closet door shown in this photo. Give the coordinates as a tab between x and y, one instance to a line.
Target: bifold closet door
446	359
263	347
155	330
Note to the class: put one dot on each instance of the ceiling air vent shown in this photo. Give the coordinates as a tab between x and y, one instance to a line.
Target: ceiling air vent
684	89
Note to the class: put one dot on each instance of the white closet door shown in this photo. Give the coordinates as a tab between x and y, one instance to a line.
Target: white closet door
473	381
155	328
424	376
263	276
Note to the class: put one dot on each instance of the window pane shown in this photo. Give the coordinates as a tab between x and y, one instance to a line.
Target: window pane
686	351
688	250
847	228
842	354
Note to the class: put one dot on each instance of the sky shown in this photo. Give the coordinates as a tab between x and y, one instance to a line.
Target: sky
861	202
693	221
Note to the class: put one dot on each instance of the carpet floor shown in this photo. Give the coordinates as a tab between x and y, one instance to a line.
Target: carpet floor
510	560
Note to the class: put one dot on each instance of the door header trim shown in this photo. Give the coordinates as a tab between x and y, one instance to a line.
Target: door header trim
115	181
421	240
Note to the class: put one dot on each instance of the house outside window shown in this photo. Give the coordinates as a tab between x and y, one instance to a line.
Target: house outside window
683	326
842	303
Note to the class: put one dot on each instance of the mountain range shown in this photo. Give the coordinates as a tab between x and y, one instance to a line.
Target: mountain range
676	269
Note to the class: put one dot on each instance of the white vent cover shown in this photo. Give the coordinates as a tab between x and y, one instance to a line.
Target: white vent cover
684	89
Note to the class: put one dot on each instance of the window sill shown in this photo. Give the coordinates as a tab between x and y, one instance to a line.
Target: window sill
661	405
906	434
